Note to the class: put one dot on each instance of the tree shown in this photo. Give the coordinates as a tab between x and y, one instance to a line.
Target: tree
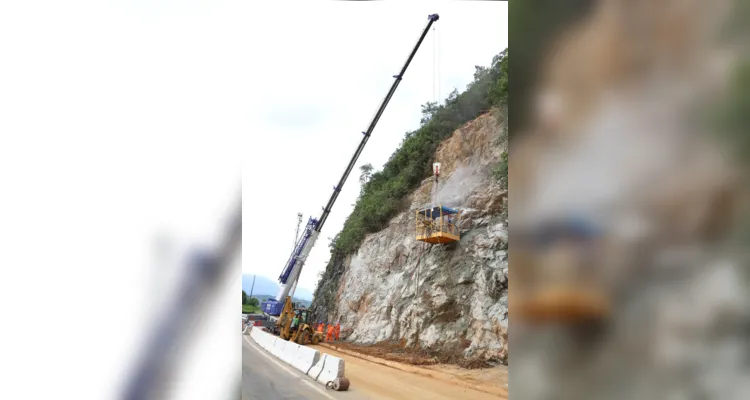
384	192
428	110
364	177
452	97
253	302
479	72
499	89
244	297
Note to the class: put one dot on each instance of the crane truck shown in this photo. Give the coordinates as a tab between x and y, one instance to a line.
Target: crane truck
281	309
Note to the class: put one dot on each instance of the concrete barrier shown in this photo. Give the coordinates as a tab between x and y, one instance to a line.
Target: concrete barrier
264	339
316	369
270	342
278	347
333	368
305	359
290	352
321	367
258	336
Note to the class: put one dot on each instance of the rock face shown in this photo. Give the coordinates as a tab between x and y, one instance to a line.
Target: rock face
451	298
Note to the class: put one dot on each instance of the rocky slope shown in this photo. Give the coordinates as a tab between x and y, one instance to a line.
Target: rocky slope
450	300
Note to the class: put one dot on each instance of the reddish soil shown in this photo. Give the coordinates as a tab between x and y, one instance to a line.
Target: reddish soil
374	375
399	352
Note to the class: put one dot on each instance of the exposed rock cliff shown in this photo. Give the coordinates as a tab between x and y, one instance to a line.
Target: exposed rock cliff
448	299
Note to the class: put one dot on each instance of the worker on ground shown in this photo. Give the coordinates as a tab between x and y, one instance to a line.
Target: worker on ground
329	334
337	331
320	327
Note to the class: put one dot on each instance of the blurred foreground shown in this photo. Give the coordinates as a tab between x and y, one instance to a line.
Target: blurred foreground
629	162
175	330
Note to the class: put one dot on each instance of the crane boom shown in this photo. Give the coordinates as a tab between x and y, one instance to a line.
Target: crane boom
294	265
366	134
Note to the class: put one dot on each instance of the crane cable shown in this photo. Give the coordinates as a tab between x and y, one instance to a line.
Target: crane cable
439	63
436	56
434	67
415	314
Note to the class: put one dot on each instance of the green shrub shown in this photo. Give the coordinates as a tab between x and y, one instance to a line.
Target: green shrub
382	195
501	171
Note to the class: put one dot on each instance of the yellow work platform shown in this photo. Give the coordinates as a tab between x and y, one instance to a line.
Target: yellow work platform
438	225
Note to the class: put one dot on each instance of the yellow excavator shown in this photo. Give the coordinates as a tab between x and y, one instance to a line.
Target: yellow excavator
293	325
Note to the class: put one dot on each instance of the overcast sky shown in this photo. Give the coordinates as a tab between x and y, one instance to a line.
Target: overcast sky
320	76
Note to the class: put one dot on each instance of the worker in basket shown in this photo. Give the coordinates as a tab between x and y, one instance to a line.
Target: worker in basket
428	228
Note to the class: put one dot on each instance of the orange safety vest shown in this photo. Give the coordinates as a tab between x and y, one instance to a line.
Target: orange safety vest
329	336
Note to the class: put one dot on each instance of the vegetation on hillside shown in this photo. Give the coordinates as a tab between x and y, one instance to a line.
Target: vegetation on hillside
251	301
501	170
250	305
384	191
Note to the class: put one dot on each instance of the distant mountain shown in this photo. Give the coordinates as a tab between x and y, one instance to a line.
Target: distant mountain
303	293
263	297
265	286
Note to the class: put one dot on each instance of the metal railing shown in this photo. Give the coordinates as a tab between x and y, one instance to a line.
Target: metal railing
427	225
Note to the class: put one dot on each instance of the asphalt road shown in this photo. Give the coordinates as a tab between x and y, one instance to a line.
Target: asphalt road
265	377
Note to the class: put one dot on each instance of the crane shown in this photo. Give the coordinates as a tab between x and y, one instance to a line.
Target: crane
281	306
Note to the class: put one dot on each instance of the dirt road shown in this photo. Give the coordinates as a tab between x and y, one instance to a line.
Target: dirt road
378	381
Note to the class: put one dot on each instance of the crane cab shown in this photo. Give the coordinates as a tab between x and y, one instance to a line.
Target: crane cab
438	225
